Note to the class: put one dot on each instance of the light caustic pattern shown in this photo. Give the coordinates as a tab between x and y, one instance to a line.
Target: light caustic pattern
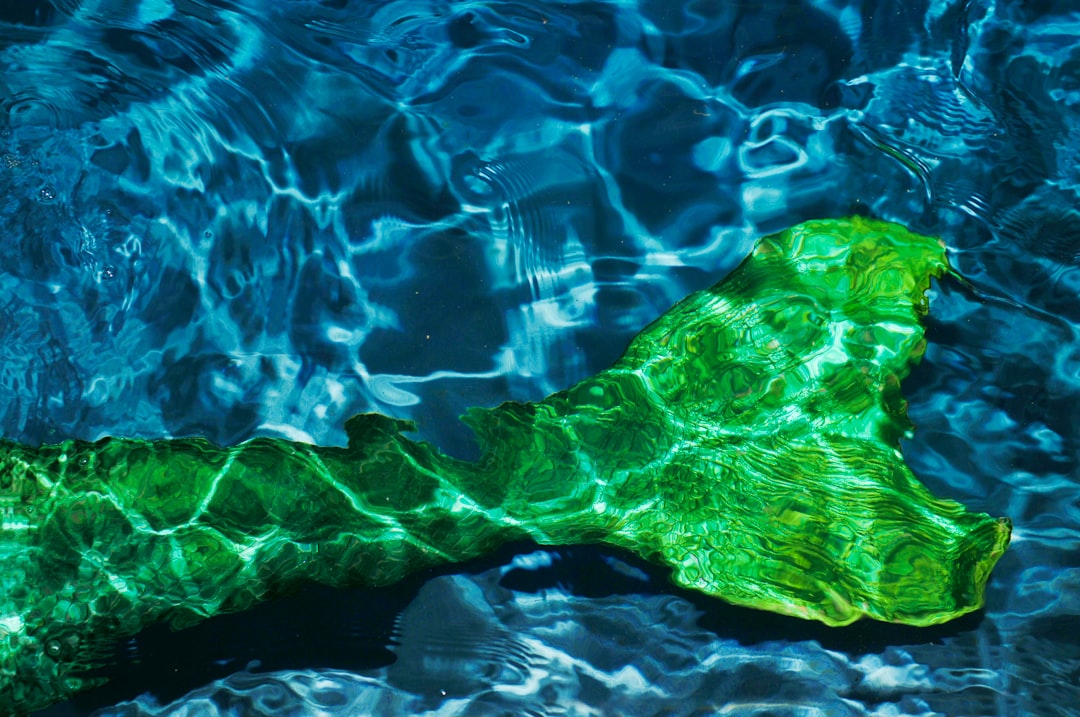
748	439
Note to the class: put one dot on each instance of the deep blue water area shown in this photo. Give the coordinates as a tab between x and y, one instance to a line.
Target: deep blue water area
259	217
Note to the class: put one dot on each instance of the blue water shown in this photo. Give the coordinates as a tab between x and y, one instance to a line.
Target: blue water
252	218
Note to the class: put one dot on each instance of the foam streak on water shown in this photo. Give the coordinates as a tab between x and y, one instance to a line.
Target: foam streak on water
238	218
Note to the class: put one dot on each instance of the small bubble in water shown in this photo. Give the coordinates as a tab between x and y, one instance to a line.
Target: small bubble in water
109	272
10	160
53	648
208	234
47	193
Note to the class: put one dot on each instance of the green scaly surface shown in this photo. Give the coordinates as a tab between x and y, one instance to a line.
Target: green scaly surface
748	439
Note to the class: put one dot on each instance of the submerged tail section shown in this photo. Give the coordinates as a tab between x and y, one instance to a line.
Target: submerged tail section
748	439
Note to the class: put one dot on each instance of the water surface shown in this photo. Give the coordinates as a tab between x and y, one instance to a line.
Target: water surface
249	218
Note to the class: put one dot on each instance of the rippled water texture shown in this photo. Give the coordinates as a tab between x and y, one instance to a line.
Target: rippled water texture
231	219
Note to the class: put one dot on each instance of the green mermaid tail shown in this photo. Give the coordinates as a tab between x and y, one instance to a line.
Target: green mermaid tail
748	439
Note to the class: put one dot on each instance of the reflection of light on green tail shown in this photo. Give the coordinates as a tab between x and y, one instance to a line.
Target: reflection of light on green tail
748	439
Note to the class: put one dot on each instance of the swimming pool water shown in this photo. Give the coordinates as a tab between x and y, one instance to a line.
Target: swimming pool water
232	219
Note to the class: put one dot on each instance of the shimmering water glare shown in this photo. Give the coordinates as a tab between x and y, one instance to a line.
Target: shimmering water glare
257	218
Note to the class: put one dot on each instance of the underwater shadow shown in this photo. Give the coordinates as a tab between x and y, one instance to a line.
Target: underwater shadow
355	629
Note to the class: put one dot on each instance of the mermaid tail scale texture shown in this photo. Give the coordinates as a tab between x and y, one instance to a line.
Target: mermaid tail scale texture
748	439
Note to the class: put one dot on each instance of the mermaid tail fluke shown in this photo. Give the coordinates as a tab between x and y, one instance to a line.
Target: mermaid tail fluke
748	439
